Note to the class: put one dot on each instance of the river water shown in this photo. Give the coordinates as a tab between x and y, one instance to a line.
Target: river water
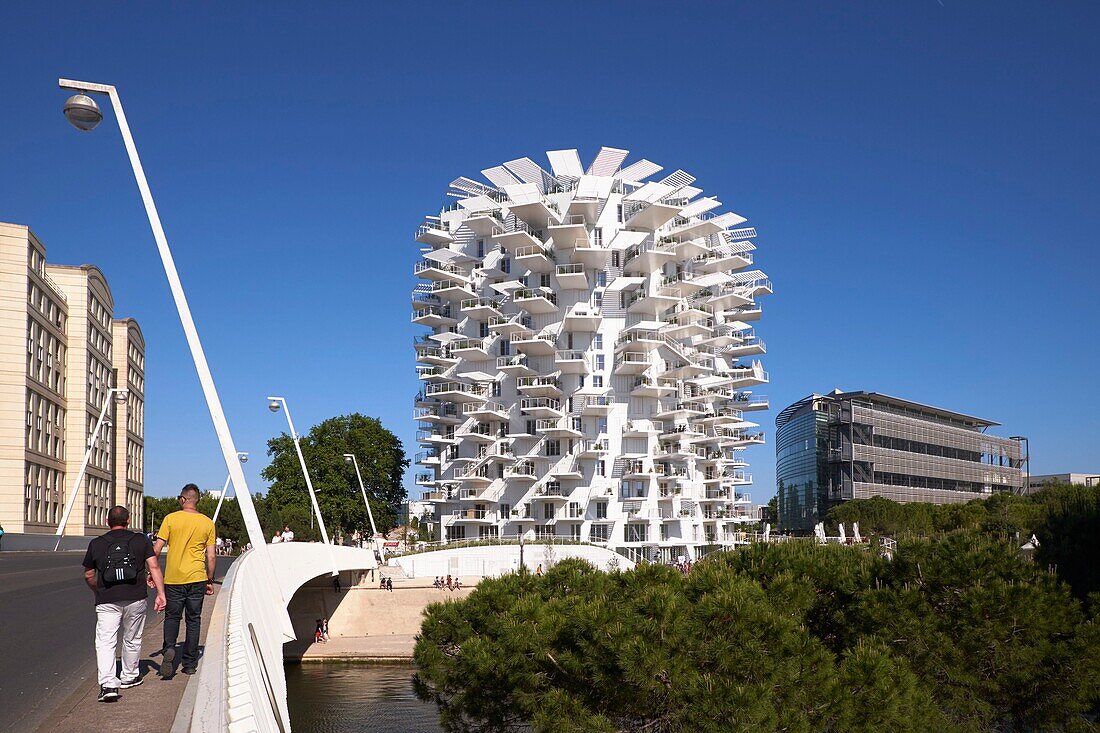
356	698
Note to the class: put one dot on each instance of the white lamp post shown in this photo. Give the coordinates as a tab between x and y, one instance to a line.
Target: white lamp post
243	458
274	404
119	395
83	113
350	458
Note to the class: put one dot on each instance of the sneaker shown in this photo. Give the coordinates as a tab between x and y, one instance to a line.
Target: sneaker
108	694
127	684
166	663
189	670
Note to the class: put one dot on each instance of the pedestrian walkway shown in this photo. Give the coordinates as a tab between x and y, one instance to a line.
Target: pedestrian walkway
397	647
150	706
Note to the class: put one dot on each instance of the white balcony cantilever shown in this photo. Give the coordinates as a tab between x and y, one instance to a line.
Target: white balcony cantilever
582	376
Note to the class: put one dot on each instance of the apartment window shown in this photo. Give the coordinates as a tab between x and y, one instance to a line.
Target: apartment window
575	532
601	507
481	248
597	380
569	340
619	212
506	510
597	298
600	362
458	533
505	265
530	427
600	533
597	341
597	237
636	533
664	532
601	469
505	348
553	447
544	280
547	510
577	424
601	425
483	329
601	279
526	281
496	389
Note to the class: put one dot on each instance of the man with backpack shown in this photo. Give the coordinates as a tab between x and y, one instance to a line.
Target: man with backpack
116	567
188	576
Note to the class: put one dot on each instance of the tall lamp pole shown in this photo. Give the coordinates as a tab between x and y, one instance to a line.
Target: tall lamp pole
243	458
275	404
83	113
350	458
119	395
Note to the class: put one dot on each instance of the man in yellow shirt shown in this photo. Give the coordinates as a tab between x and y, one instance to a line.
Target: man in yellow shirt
188	577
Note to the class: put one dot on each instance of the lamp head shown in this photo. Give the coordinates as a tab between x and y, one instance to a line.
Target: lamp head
273	405
242	457
121	395
82	112
348	458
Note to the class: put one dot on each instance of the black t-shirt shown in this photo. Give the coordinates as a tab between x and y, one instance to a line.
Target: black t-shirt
96	559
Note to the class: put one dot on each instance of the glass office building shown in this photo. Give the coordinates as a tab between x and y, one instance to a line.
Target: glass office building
855	445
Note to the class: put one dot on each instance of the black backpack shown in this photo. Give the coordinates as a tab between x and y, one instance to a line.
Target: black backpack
121	566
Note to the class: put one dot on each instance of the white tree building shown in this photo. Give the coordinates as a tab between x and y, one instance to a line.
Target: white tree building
583	377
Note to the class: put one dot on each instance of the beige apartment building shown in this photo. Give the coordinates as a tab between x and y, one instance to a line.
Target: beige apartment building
61	353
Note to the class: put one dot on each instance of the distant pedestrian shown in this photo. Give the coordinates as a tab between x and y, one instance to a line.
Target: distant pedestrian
538	570
436	583
1	536
188	577
288	536
324	629
450	583
117	567
382	584
458	583
336	583
277	537
389	584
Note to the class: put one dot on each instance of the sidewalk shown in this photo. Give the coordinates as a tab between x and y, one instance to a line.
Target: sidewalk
151	706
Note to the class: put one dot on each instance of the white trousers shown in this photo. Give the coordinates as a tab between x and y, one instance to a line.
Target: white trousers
110	617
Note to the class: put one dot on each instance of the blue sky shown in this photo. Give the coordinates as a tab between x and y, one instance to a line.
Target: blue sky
923	175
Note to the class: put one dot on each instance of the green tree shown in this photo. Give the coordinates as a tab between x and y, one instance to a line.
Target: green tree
382	462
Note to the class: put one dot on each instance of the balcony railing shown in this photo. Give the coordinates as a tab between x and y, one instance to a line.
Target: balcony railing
522	382
423	265
468	303
534	403
574	269
530	294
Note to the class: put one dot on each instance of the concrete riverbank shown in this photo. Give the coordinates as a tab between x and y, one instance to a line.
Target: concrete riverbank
366	623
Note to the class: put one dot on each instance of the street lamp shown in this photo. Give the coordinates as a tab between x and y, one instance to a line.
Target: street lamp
350	458
83	113
274	404
243	458
119	395
1027	461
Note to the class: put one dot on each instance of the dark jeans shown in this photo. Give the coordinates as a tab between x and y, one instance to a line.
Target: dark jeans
179	598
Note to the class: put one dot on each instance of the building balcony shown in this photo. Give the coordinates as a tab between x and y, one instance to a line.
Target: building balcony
481	309
478	433
551	491
748	401
639	340
533	208
522	513
516	238
728	296
642	259
431	372
632	362
650	304
535	344
595	404
425	479
539	386
485	223
422	296
590	448
433	316
589	254
567	232
485	412
432	270
442	413
452	289
571	277
747	376
520	471
669	430
508	325
557	428
474	516
457	392
427	458
536	301
650	217
431	352
571	362
650	387
638	429
722	260
750	312
682	409
582	318
480	475
750	346
683	283
475	349
434	233
535	258
544	407
435	437
514	366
